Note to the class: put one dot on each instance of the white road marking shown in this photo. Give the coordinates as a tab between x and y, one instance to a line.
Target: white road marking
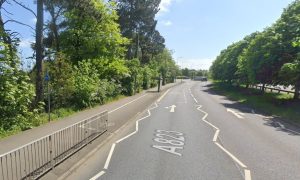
172	108
237	114
231	155
216	135
246	171
109	156
169	149
98	175
247	174
162	96
283	127
118	141
127	104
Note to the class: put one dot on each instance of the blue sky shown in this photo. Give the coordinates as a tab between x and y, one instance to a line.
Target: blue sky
196	30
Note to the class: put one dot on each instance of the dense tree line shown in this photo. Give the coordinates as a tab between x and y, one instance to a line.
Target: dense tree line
92	50
268	57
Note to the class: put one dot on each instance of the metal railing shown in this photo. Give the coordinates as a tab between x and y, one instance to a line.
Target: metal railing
34	159
273	89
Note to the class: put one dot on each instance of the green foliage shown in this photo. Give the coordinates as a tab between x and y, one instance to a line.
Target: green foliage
16	94
89	37
133	82
62	83
268	57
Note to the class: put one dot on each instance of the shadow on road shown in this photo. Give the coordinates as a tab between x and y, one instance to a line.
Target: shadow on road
272	121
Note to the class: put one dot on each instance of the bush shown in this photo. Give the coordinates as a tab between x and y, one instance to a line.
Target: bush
16	94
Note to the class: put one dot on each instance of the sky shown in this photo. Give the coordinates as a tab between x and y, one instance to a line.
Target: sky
195	30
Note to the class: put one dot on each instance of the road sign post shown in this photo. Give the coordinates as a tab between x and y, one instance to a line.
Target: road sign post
47	79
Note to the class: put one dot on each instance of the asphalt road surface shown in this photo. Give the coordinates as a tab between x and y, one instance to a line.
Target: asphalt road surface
192	133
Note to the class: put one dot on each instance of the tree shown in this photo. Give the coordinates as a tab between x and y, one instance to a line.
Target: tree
137	22
92	37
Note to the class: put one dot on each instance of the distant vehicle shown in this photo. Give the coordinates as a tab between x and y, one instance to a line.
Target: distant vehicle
200	78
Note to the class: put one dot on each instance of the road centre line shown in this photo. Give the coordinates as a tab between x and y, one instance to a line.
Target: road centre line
231	155
127	104
247	173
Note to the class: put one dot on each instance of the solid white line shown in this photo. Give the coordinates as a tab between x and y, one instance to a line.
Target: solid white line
122	139
109	155
98	175
127	104
247	174
162	96
216	135
231	155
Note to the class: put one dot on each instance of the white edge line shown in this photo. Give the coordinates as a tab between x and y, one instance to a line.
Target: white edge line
247	174
122	139
118	141
98	175
162	96
127	104
109	155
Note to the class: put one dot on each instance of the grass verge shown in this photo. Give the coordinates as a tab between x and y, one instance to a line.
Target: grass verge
280	105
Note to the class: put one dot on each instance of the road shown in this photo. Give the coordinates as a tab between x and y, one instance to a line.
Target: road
192	133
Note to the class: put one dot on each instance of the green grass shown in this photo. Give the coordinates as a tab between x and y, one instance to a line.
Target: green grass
280	105
56	115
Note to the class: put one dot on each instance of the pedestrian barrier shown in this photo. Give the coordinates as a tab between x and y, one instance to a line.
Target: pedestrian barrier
36	158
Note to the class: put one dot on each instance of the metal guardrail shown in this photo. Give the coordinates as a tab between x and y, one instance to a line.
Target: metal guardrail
34	159
274	89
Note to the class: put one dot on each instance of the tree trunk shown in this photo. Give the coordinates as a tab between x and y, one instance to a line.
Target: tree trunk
39	52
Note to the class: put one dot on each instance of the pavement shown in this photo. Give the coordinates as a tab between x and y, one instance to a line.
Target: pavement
192	133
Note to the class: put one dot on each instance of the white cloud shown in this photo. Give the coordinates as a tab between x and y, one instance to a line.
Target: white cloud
26	43
167	23
164	5
195	63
